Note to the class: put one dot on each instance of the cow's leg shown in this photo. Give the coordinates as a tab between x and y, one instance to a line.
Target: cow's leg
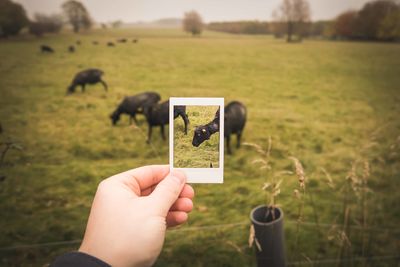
162	132
238	137
149	134
83	87
228	144
104	84
186	121
133	116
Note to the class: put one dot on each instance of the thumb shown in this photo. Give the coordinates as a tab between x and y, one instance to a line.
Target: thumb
168	190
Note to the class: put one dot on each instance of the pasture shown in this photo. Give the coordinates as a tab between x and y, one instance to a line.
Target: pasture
185	154
333	105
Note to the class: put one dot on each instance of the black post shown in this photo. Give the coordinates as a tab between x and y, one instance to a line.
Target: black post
268	226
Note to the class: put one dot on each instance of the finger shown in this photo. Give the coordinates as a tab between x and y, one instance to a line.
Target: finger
182	204
175	218
187	192
143	177
168	191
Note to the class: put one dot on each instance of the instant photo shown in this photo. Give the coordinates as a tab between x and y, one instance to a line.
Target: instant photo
198	148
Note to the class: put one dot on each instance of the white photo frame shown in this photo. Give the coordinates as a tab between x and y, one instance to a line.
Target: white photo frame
198	174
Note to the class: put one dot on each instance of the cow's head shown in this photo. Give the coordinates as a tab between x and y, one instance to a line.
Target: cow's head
70	89
201	134
115	117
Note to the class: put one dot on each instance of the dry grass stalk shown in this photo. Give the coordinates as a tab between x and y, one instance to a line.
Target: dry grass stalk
299	172
272	188
328	178
253	239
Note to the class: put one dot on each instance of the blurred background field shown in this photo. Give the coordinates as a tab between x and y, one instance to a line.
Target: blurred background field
333	105
185	154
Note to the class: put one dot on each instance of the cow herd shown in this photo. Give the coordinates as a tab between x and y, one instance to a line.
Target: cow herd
46	49
157	114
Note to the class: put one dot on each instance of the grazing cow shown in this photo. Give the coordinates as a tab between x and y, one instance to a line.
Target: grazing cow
95	43
110	44
135	41
46	49
89	76
158	115
133	105
123	40
234	122
204	132
71	49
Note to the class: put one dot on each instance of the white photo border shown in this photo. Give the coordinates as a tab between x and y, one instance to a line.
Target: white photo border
198	175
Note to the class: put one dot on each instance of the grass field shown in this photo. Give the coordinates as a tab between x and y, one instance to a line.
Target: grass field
333	105
185	154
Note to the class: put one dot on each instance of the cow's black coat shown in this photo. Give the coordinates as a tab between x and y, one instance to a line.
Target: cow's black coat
133	105
89	76
158	115
234	122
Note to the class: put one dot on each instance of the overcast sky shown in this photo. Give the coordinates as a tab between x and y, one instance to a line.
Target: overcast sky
211	10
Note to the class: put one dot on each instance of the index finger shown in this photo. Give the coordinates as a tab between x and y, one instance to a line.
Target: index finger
143	177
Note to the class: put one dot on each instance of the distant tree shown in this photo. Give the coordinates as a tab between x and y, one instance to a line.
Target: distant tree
12	18
193	23
278	28
77	15
45	24
345	24
319	28
371	16
240	27
390	27
116	24
295	14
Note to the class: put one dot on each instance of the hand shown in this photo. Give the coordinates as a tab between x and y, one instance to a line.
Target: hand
130	214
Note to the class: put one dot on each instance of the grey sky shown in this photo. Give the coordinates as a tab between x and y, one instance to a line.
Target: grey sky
211	10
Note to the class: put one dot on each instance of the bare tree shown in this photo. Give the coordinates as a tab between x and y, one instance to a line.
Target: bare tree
77	15
193	23
295	14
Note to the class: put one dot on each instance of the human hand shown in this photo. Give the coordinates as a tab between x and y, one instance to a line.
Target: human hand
130	214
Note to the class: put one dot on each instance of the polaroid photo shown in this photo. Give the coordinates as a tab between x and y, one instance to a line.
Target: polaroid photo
198	149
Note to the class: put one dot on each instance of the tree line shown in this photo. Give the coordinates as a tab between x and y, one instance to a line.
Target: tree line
13	19
376	20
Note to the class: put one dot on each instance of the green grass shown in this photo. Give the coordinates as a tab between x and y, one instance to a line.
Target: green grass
185	154
327	103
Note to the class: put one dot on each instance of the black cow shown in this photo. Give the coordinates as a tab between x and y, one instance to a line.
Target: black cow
204	132
135	41
234	122
133	105
110	44
158	115
89	76
123	40
46	49
71	49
